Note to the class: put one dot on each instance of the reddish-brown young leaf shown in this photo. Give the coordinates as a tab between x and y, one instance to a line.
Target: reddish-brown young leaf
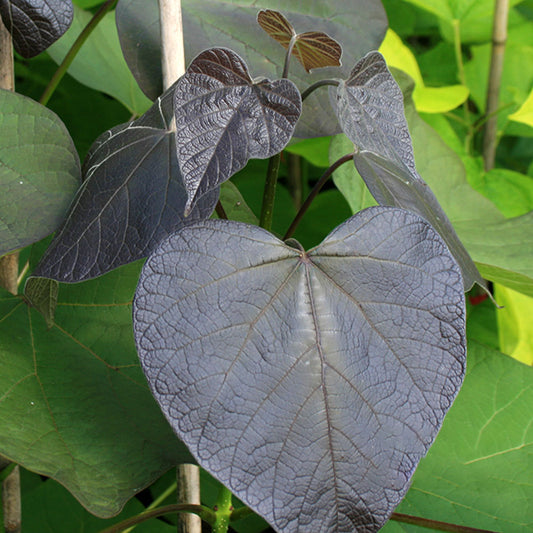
277	26
313	49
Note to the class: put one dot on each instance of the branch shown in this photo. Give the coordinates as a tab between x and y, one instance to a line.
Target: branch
499	38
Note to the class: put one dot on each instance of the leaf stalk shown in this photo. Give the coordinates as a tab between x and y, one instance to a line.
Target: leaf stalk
314	192
316	85
435	524
202	511
74	49
223	510
269	194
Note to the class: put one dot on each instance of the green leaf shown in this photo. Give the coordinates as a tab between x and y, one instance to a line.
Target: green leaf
514	323
84	122
473	16
49	508
479	472
328	210
525	113
39	171
74	405
315	150
510	191
100	63
235	206
501	249
426	99
42	294
346	177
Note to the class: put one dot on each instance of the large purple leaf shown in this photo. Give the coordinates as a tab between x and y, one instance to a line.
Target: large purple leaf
223	119
310	384
132	197
36	24
369	106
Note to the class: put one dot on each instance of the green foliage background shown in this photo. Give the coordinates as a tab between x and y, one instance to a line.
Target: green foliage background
82	376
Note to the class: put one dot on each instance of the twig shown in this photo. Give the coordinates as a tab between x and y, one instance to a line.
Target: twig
499	38
74	49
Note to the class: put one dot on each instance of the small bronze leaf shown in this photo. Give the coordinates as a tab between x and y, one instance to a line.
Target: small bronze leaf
315	49
277	26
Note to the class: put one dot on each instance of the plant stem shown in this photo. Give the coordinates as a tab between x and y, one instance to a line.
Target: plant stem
459	60
203	512
435	524
219	208
315	86
314	192
499	37
161	498
292	42
223	510
269	194
295	179
74	49
240	513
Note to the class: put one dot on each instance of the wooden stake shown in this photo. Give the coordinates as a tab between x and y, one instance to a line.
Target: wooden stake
173	65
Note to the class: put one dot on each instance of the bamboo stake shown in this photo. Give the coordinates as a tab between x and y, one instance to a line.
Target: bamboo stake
173	65
499	38
172	49
9	264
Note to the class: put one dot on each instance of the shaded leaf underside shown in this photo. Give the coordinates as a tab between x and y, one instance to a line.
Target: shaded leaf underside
369	106
264	383
131	198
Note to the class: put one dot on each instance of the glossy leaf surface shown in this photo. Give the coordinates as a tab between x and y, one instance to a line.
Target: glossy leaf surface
313	49
39	168
74	404
360	27
370	109
223	119
35	24
131	198
264	384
